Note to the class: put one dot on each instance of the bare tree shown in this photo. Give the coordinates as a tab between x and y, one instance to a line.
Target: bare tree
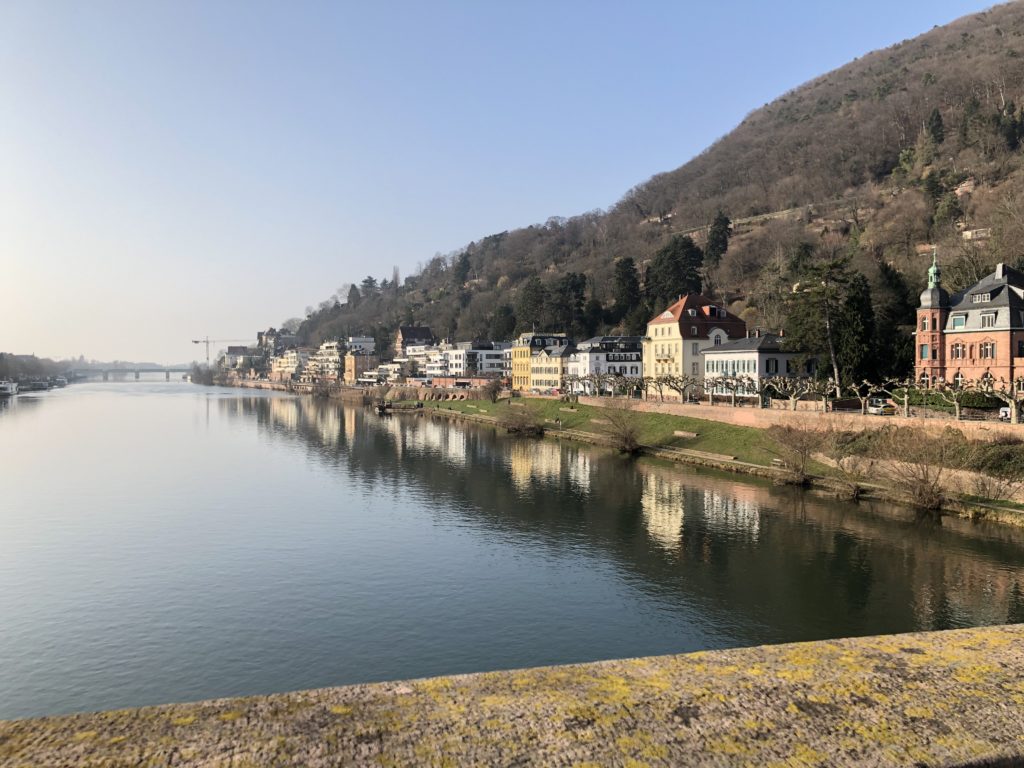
623	427
795	446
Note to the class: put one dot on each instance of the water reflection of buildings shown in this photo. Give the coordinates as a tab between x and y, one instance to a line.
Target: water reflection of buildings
731	511
732	515
548	461
420	435
664	508
874	567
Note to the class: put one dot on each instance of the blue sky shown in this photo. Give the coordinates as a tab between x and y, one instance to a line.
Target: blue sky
175	169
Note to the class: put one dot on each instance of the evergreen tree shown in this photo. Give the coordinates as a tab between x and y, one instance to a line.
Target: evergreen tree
503	323
626	288
936	130
460	271
674	271
354	296
566	303
532	305
829	315
718	239
593	317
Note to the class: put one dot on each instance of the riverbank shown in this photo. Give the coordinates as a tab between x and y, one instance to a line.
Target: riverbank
951	698
704	443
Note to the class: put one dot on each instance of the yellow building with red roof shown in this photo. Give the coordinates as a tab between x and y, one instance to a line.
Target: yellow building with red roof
676	337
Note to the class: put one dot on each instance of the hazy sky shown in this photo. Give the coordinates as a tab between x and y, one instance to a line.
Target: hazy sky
175	169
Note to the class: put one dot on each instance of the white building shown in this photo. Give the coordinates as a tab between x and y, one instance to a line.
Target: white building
616	355
756	357
364	345
327	365
289	364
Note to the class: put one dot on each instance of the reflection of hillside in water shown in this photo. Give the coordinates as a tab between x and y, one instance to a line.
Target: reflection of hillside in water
759	563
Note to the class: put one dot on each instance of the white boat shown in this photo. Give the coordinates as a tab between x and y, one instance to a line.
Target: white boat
8	388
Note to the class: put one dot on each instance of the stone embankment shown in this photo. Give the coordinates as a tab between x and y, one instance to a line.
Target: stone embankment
952	698
762	418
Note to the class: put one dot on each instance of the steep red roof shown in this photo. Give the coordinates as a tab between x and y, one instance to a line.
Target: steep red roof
696	310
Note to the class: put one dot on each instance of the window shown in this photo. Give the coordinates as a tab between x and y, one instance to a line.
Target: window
1020	348
771	365
980	298
988	320
694	369
924	351
695	348
718	339
956	352
987	350
958	380
693	330
924	323
959	321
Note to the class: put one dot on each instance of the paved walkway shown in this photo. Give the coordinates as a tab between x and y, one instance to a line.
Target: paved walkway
936	699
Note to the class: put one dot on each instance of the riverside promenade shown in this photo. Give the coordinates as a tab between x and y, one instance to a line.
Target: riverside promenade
953	698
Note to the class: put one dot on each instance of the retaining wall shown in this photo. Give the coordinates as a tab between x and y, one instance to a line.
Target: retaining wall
765	417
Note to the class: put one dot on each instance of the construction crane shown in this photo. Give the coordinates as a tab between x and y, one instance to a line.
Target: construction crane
208	341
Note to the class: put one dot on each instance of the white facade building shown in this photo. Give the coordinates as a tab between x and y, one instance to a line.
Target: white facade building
364	345
756	357
615	355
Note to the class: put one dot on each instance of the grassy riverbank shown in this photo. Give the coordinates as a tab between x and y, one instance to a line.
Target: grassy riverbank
656	430
754	450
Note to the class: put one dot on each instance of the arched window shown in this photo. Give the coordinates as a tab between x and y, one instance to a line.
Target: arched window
718	339
958	380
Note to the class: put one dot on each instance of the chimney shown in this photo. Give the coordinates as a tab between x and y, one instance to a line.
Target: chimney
1000	271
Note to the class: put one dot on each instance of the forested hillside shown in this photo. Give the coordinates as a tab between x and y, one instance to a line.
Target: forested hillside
845	182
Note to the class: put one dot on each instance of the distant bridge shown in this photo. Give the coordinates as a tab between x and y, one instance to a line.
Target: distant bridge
107	373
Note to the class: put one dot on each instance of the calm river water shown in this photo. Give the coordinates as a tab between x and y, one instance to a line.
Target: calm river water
167	542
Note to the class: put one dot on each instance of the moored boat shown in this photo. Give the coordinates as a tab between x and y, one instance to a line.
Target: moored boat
8	388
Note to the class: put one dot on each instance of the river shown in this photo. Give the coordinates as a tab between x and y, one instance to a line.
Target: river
168	542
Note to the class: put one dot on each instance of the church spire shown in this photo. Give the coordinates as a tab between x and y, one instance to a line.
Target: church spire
934	273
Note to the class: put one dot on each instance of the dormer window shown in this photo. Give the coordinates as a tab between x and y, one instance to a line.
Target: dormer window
988	320
980	298
691	312
959	321
693	330
718	339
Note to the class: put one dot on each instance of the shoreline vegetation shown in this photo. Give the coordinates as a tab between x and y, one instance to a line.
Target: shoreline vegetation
939	471
942	472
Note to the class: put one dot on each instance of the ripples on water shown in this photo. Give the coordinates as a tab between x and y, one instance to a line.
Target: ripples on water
166	542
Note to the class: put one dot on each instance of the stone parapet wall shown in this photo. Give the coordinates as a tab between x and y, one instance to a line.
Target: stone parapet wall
951	698
763	418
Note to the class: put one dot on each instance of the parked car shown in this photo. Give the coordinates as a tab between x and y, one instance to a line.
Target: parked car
879	407
1004	413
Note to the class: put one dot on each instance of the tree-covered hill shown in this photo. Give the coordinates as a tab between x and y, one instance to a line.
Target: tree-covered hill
863	169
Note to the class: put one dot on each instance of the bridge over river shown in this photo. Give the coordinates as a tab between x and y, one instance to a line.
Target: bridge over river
123	373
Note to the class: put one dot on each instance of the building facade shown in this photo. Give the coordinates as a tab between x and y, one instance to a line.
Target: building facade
972	335
326	365
548	369
677	338
526	346
357	364
755	358
364	344
615	355
288	365
412	335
